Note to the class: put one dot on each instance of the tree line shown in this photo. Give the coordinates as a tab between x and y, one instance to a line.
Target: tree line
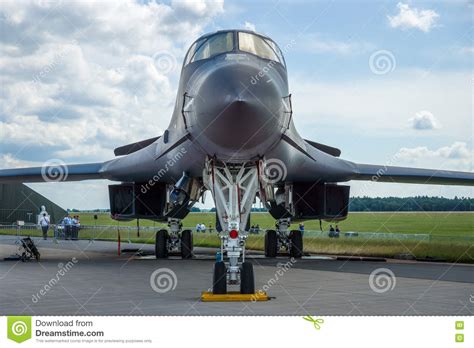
418	203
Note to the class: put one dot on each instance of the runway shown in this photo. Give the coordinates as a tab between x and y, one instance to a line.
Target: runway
103	283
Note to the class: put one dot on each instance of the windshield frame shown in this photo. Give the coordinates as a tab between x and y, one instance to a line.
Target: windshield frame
190	57
268	42
197	45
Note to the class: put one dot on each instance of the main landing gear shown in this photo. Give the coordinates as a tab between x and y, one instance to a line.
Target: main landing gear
283	238
175	241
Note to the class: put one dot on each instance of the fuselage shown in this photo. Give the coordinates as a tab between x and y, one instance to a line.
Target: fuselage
233	104
231	96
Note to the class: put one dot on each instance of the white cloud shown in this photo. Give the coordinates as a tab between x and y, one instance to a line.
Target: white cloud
424	120
467	50
413	18
85	80
380	189
199	9
7	160
319	43
249	26
379	106
455	156
79	78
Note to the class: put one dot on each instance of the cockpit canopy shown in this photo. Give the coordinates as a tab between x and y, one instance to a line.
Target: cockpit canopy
230	41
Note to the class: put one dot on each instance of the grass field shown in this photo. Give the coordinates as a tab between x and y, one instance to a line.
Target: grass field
438	223
452	234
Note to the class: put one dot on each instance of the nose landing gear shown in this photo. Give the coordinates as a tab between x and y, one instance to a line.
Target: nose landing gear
234	187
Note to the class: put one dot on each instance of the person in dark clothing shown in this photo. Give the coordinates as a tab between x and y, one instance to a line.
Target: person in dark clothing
331	231
337	232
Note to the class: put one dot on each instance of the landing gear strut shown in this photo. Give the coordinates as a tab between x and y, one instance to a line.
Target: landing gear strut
282	238
176	241
234	187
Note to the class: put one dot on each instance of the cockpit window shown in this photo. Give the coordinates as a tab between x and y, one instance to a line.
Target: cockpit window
192	51
210	46
223	42
277	51
257	45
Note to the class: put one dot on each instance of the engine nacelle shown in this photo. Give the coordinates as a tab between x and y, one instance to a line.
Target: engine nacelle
311	201
136	201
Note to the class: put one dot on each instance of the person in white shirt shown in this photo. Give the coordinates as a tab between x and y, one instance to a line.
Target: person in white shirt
44	222
203	228
198	228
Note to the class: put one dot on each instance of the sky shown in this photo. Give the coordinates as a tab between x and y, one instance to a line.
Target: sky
387	82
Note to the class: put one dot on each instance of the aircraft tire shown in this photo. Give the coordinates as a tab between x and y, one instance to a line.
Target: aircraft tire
271	243
247	279
296	249
161	248
219	280
186	244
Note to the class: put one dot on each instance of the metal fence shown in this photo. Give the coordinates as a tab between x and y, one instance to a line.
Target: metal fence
143	233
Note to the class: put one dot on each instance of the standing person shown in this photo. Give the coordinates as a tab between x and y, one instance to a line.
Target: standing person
301	228
203	228
337	231
331	231
198	228
74	228
44	222
67	226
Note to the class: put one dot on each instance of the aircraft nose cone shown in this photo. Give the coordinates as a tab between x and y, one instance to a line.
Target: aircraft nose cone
234	114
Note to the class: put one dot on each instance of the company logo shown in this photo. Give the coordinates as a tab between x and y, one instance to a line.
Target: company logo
54	170
317	322
274	171
19	328
382	280
163	280
382	62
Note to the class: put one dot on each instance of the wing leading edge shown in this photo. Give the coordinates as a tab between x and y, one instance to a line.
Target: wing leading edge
384	173
53	172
